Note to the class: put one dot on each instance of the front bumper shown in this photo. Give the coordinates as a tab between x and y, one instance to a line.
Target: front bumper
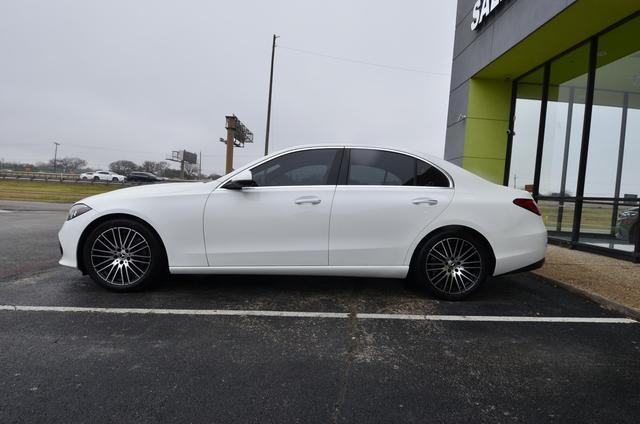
69	236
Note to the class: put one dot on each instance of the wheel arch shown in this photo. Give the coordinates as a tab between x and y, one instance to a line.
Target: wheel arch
460	229
109	217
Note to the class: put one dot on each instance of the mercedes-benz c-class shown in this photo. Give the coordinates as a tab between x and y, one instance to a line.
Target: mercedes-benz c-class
314	210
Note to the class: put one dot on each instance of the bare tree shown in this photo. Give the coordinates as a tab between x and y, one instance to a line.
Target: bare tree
68	164
157	168
123	167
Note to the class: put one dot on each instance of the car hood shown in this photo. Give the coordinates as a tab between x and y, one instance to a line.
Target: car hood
146	191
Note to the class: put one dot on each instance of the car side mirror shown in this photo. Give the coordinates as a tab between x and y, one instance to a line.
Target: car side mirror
240	181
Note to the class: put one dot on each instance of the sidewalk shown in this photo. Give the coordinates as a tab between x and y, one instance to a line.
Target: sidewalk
606	280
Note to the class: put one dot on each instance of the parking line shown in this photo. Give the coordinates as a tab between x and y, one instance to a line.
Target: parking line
295	314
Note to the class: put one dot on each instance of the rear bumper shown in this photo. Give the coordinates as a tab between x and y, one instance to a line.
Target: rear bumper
522	251
532	267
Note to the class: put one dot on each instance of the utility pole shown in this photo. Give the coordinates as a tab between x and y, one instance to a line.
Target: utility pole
237	135
55	157
231	130
266	138
200	166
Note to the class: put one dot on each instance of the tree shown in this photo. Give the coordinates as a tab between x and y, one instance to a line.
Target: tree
123	167
157	168
191	170
72	164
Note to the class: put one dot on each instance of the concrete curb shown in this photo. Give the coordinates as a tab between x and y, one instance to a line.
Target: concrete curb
601	300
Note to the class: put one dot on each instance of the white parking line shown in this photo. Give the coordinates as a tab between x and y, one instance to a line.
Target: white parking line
295	314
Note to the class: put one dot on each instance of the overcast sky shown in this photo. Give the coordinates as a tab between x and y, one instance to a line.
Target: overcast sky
135	79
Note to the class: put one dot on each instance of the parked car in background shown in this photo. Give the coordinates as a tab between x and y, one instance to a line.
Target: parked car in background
320	210
144	177
102	176
628	226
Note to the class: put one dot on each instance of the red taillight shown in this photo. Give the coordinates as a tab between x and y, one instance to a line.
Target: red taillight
528	204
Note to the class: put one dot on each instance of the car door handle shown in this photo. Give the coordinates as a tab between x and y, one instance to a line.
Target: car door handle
307	200
424	200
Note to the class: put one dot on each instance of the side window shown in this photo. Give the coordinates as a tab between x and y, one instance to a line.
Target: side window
430	176
376	167
307	167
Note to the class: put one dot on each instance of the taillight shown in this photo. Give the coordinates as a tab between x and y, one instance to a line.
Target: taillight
528	204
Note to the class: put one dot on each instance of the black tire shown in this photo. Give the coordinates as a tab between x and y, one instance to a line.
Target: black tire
452	265
114	179
123	255
84	178
96	178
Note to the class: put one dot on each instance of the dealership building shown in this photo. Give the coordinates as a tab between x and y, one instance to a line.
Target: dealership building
545	96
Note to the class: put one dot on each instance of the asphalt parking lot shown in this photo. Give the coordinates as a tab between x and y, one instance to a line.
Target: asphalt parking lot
220	349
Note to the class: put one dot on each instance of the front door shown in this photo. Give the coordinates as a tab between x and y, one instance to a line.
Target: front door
283	221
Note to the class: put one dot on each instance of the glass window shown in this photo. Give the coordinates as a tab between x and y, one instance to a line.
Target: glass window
376	167
526	122
612	170
564	122
307	167
428	175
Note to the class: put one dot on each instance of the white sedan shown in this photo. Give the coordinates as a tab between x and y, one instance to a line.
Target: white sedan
314	210
102	176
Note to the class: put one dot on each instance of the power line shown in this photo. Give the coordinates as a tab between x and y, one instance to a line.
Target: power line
362	62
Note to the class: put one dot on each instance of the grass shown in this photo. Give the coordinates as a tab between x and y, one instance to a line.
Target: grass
57	192
595	217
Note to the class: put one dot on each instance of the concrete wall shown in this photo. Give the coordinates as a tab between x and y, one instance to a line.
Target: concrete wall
474	50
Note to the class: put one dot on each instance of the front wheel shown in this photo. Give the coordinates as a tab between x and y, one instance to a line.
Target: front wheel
123	255
452	265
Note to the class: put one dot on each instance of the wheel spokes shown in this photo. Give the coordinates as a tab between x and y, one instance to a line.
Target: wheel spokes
454	265
120	256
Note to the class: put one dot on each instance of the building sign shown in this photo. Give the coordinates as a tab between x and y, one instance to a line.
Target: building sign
483	9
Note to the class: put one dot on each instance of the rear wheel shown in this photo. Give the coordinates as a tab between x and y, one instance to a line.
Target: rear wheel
123	255
452	265
96	178
114	179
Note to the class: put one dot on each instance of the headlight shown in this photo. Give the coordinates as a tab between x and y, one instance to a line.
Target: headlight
77	210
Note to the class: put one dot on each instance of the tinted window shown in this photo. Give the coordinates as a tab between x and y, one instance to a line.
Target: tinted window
308	167
428	175
375	167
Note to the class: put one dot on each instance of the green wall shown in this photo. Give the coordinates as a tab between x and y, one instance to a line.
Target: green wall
485	141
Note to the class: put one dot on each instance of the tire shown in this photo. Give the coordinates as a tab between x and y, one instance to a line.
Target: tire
451	265
114	179
96	179
131	268
84	178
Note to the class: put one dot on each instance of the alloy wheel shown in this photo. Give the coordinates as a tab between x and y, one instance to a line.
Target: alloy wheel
454	266
121	256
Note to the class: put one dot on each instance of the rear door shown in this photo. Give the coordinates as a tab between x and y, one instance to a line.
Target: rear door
383	200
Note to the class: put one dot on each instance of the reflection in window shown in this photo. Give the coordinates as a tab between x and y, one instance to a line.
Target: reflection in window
563	128
375	167
614	143
526	123
308	167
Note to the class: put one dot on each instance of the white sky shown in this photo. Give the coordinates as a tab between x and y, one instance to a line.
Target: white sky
136	79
